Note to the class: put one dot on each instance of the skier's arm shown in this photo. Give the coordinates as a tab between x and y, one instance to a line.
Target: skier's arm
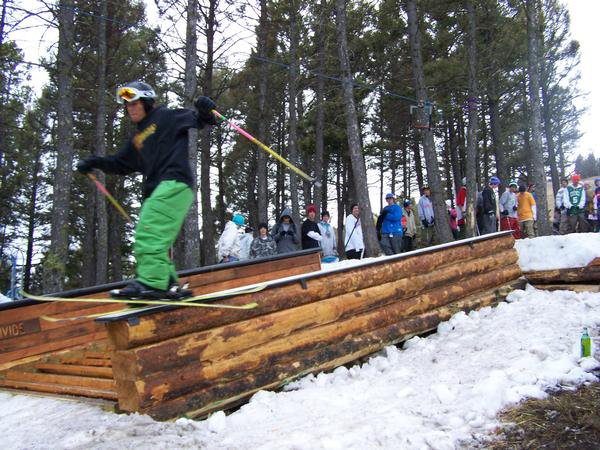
122	163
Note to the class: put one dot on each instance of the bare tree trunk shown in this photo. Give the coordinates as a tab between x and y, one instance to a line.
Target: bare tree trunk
293	122
416	146
433	173
357	160
472	102
320	115
208	219
495	129
88	259
548	128
101	241
261	185
31	212
539	172
187	254
55	264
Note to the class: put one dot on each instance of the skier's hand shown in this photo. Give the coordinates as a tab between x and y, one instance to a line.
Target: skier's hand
204	106
86	166
282	233
425	223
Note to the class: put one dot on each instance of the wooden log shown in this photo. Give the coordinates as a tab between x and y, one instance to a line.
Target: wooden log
52	378
160	385
594	262
164	325
575	275
60	389
214	343
98	362
16	357
222	394
569	287
84	371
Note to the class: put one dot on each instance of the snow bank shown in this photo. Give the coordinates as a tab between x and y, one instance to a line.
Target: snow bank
558	252
4	299
438	392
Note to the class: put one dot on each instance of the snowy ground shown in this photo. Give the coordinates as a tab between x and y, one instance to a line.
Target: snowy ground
438	392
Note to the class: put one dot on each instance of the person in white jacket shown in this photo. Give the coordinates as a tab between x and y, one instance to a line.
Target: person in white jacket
245	243
228	248
355	245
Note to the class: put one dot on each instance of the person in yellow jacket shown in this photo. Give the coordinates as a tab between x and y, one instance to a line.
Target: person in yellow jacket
526	211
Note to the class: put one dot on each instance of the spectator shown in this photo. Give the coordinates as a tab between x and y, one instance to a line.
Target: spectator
263	245
531	190
311	236
328	243
574	203
285	233
559	204
489	197
597	202
228	248
355	245
452	215
590	202
461	209
391	226
425	209
509	217
526	211
410	227
245	243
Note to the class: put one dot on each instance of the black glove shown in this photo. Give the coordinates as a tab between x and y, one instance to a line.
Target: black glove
515	208
204	106
86	166
290	232
282	233
505	212
431	221
425	223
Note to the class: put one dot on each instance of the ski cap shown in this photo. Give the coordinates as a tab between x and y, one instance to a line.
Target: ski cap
495	181
576	177
407	202
134	90
513	183
239	220
390	195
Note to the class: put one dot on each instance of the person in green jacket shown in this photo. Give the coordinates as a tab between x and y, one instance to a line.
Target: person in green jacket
574	203
158	150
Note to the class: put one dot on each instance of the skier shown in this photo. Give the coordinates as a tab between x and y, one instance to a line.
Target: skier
228	247
158	150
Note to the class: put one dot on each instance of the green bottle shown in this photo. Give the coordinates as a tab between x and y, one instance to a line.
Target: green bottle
586	344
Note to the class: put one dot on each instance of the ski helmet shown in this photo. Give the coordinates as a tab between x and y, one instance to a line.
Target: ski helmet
137	90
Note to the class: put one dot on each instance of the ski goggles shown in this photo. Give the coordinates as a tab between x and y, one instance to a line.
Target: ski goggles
131	94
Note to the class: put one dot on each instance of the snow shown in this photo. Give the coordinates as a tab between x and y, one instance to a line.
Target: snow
4	299
438	392
558	252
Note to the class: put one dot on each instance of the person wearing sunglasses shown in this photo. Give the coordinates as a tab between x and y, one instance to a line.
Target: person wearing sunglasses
159	151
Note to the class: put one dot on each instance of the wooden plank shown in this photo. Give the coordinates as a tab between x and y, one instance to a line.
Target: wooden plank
222	394
97	355
211	344
52	378
18	356
159	386
84	371
60	389
97	362
48	309
167	324
569	287
575	275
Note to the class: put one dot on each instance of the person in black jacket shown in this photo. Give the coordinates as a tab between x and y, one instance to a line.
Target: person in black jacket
158	150
311	235
489	197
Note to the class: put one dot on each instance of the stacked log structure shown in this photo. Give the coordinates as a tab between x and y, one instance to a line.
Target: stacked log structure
589	274
191	361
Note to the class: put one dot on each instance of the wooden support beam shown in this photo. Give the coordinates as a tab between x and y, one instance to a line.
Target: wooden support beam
84	371
60	389
569	287
577	275
103	384
164	325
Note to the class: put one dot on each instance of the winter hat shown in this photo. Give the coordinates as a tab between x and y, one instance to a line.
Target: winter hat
390	195
513	183
263	225
522	188
407	202
310	208
495	181
576	178
239	220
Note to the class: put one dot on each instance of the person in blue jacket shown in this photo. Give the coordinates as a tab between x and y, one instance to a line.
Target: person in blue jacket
391	227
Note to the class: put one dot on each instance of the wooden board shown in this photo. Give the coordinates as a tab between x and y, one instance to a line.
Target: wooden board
576	275
569	287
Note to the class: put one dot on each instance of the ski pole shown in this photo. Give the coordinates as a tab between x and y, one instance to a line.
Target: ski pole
115	203
265	148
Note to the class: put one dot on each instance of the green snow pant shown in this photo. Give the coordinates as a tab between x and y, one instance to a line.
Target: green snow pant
161	217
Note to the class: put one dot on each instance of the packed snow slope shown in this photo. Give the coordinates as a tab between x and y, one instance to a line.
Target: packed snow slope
558	252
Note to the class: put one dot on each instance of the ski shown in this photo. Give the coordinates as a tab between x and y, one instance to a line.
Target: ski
190	301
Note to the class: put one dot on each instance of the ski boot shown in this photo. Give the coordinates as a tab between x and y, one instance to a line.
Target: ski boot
136	290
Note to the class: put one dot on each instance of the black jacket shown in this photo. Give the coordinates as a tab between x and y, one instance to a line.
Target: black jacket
158	150
307	241
489	200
